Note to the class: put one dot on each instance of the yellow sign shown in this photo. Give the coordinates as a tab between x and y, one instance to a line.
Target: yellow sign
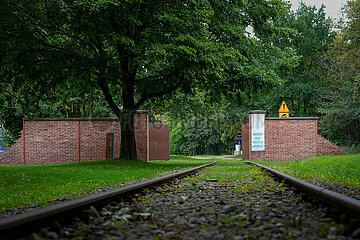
284	115
283	110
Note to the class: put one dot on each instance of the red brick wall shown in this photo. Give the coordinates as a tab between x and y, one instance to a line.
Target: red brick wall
245	140
51	142
93	137
142	136
291	139
326	148
14	154
65	141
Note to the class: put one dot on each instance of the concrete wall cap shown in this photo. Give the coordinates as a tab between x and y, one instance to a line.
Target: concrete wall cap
292	118
138	111
257	112
74	119
143	111
84	119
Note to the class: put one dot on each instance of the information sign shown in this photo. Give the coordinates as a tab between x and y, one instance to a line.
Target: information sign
257	132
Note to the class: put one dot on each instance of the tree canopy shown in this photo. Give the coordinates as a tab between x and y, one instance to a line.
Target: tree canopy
322	80
340	102
132	51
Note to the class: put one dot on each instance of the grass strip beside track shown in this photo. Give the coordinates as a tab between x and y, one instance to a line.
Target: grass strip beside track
344	170
23	185
33	184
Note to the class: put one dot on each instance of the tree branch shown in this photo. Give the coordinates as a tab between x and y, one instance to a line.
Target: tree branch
142	80
105	89
146	96
23	115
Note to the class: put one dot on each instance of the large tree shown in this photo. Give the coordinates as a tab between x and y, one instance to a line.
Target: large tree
309	32
340	103
131	50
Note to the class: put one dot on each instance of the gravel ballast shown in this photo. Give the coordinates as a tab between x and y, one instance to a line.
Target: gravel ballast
200	208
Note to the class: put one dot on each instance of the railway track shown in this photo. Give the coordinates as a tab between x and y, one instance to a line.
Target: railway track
344	203
196	208
32	220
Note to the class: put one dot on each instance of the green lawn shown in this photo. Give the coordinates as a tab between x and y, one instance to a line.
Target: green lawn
338	169
24	184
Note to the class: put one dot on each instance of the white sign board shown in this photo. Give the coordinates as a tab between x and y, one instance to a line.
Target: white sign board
257	132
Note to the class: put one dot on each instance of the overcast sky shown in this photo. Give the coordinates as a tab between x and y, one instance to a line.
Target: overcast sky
332	7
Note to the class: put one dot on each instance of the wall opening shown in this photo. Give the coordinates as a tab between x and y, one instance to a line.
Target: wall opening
109	147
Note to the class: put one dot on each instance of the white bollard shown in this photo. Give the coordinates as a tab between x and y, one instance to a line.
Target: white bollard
237	150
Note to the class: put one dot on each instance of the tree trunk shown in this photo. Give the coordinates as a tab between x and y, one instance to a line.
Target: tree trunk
128	144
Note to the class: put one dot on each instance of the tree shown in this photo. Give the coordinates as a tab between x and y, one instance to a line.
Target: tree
308	31
130	50
340	103
201	127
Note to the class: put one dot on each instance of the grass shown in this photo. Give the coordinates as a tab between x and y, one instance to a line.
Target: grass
250	176
338	169
230	170
32	184
23	185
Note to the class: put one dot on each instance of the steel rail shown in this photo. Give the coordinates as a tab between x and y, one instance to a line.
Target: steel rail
347	204
30	221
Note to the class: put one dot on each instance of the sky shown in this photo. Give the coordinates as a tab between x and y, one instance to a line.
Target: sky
332	7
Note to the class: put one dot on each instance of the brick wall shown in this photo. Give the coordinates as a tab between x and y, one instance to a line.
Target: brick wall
72	140
245	140
290	139
325	147
14	154
142	136
93	137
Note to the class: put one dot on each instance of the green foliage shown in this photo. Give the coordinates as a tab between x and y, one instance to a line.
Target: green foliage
309	33
193	137
341	118
2	136
286	53
340	102
96	58
351	150
132	51
11	126
199	126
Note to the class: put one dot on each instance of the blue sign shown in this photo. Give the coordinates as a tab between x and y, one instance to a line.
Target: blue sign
2	149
